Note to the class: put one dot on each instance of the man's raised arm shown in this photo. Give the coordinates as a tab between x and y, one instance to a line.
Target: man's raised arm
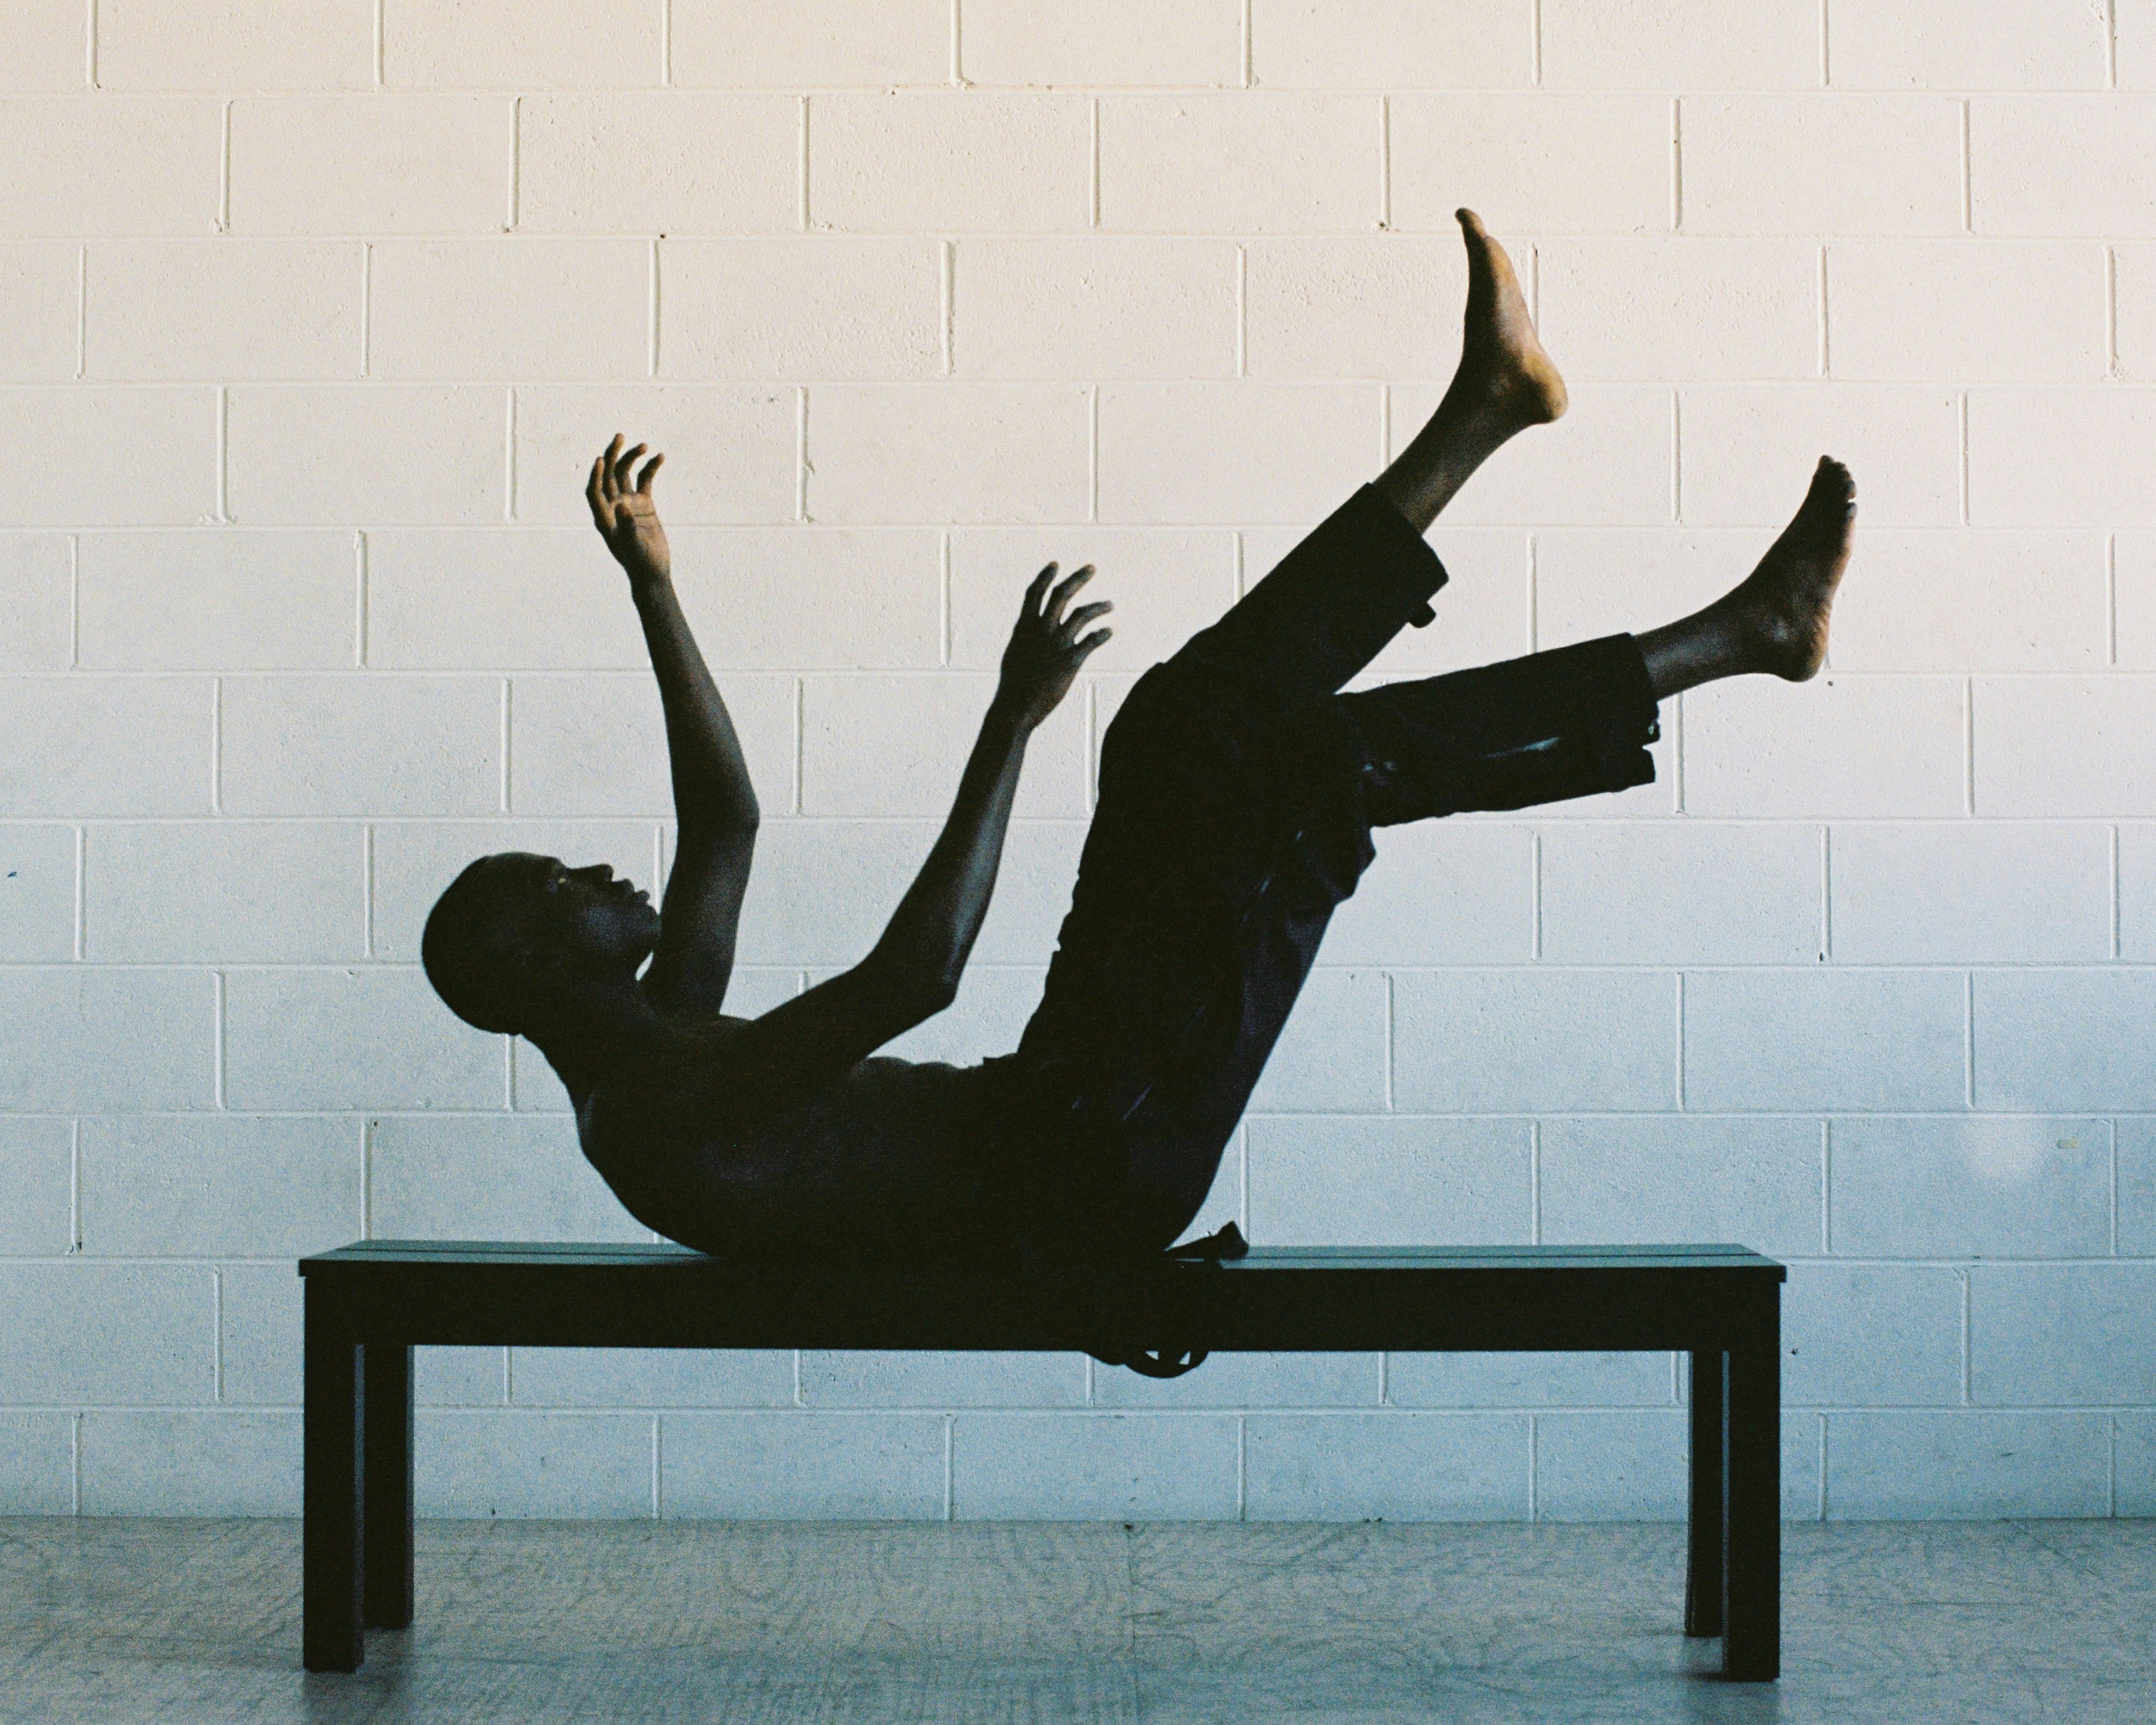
714	805
913	972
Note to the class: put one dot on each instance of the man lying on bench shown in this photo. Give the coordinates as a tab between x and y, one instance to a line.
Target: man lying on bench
1238	791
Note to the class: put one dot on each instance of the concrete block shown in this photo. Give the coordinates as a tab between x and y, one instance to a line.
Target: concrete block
205	892
1821	164
1239	162
1234	453
110	164
461	1377
1441	893
2007	892
168	1463
372	164
813	599
2134	1460
1379	1181
2135	38
1488	1040
1689	892
813	42
1754	1181
1391	44
1386	1467
218	1185
2133	300
156	465
48	47
1129	1467
2012	1188
2065	1039
1360	306
2137	894
1746	452
40	294
797	1466
1530	163
119	1041
1250	1380
415	862
945	161
495	1177
2063	746
262	1333
2061	458
1611	1467
1933	44
520	44
37	1464
2019	1311
217	600
812	306
354	744
595	746
1966	311
1608	462
1121	42
1852	1041
736	450
37	601
1973	601
824	889
965	452
370	1038
511	308
651	1378
860	1378
235	44
658	162
105	746
2029	157
36	894
1333	1056
1860	1334
2133	600
1166	585
1688	44
1839	746
480	1464
1527	1380
987	1018
1912	1464
36	1188
853	764
115	1333
1704	309
367	454
537	599
1100	306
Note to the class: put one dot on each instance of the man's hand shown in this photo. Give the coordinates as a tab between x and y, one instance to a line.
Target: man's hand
624	513
1046	650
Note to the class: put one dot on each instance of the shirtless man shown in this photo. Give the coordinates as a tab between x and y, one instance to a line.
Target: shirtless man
1238	791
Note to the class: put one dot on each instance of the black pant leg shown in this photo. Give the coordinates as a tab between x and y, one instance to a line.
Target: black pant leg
1330	606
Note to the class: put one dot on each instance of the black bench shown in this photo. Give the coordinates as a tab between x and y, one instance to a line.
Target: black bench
369	1304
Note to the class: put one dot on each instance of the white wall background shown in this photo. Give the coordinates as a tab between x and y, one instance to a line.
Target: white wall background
312	313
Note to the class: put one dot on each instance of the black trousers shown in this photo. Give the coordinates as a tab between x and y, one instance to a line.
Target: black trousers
1238	791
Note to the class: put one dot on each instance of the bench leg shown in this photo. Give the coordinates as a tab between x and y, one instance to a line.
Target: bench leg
387	1454
1752	1600
1703	1579
332	1533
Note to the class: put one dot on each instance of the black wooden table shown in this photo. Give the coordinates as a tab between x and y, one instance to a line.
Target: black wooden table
369	1304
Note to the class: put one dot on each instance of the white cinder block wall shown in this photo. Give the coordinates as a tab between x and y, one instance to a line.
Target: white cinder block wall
310	315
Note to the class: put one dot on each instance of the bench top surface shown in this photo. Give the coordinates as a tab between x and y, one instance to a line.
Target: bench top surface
519	1253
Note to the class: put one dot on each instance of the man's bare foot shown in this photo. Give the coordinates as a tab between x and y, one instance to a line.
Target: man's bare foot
1501	362
1781	607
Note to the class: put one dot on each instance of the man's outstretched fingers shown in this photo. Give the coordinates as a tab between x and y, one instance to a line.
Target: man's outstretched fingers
1036	587
1084	614
625	467
651	467
1061	597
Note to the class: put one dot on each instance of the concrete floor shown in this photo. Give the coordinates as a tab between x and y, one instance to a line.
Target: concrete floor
759	1622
